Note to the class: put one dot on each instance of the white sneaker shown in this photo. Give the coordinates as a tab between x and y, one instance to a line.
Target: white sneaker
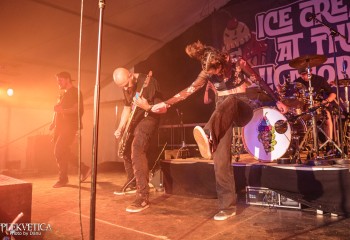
224	214
202	142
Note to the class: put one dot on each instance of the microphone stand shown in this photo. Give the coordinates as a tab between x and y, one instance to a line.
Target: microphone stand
183	152
101	5
334	33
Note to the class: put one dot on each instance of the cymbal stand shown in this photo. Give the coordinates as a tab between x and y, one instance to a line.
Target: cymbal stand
346	136
329	140
314	120
334	33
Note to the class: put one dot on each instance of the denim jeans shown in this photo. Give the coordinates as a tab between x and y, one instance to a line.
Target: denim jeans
231	110
135	158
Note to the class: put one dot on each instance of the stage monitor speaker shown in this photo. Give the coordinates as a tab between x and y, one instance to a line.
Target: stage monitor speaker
15	197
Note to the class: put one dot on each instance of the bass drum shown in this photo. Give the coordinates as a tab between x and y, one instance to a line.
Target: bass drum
263	142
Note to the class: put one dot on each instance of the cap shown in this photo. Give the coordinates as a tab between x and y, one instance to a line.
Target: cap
64	75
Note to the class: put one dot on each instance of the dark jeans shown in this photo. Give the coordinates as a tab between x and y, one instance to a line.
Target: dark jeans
135	158
64	155
231	110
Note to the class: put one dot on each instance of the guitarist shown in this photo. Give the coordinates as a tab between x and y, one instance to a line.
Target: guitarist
65	126
141	129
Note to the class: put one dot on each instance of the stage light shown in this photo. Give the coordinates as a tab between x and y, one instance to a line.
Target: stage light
10	92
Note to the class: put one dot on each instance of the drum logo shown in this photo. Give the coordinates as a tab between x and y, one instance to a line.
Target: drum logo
267	134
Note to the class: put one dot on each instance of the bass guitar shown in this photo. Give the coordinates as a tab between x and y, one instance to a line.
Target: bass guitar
124	140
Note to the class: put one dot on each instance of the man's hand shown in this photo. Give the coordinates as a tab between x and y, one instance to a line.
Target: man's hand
118	133
142	102
160	108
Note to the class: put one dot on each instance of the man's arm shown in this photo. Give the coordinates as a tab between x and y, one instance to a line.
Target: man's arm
123	120
182	95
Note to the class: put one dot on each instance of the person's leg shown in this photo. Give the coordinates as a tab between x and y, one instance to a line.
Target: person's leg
225	182
62	154
129	187
140	145
328	125
73	159
229	110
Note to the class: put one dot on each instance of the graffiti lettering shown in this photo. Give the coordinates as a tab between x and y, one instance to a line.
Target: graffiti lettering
274	23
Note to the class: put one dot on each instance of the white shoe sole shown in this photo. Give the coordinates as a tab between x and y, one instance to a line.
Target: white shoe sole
202	142
124	193
223	218
136	210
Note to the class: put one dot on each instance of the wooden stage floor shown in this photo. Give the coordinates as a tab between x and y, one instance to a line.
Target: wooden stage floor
169	216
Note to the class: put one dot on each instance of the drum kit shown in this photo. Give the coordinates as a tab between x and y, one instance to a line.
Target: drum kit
271	136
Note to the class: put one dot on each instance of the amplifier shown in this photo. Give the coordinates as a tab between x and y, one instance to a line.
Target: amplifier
267	197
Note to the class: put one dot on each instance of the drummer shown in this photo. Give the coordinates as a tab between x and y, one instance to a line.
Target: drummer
323	89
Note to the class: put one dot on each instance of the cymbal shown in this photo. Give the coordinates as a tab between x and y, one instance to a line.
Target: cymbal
307	61
344	82
255	93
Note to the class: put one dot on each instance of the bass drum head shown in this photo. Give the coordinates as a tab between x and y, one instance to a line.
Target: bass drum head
260	137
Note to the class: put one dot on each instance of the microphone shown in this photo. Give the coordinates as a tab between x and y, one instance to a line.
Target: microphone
345	65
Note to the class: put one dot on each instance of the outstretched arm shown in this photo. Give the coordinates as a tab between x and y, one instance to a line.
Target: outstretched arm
196	85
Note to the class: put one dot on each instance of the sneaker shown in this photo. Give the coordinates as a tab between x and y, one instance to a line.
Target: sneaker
202	142
125	191
224	214
85	175
138	205
128	188
60	184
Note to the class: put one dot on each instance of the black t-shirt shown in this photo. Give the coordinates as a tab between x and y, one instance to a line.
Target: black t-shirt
319	84
68	100
151	92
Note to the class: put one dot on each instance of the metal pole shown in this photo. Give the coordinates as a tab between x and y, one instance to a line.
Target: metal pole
101	5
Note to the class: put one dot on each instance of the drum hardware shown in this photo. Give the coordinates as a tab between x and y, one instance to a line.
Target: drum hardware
306	62
237	145
264	143
292	94
183	151
346	84
329	140
334	33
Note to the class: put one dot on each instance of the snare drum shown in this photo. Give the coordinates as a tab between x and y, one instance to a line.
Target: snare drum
261	139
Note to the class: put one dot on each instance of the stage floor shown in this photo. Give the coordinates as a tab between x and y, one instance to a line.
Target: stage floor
169	216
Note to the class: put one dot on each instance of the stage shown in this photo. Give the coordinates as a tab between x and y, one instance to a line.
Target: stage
324	188
186	212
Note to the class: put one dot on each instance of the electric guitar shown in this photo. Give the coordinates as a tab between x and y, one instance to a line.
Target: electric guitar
124	140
